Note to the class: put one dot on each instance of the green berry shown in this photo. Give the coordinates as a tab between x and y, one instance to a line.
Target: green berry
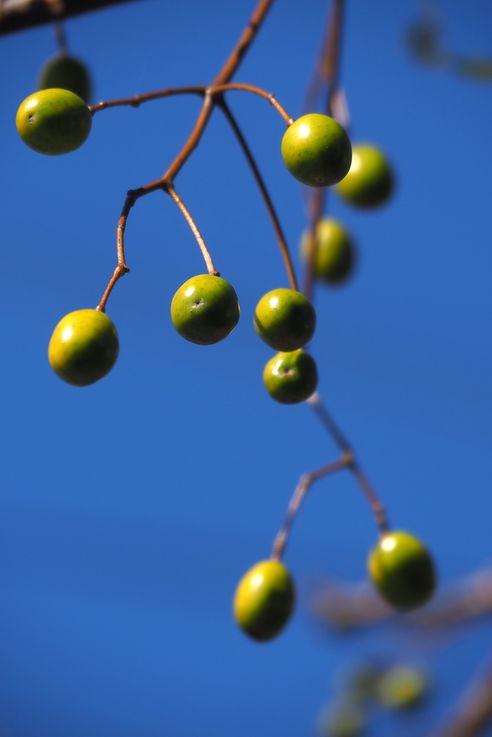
264	600
342	720
205	309
335	254
316	150
402	687
83	347
291	377
53	121
402	570
285	319
370	181
67	73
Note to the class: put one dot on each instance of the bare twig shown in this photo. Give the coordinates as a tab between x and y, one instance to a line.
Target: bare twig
137	100
194	229
18	15
284	249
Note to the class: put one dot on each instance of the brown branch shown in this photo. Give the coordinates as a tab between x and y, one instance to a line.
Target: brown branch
328	73
284	249
300	492
474	711
223	77
137	100
121	266
346	449
194	229
241	87
357	606
18	15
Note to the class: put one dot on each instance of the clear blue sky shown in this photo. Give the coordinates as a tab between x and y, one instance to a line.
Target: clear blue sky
130	509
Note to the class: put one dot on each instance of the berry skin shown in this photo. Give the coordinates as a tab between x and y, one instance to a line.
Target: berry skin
335	254
284	319
370	181
291	377
402	687
67	73
205	309
84	347
316	150
53	121
402	570
264	600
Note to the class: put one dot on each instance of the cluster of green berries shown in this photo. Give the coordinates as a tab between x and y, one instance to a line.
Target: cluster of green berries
400	567
205	309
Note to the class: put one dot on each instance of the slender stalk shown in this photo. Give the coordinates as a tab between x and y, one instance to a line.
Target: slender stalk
241	87
121	265
137	100
60	37
194	229
300	492
282	243
364	484
328	72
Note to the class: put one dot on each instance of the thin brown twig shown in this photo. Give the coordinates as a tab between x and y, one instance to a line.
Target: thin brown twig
282	242
300	492
121	265
194	229
473	713
218	89
223	77
329	72
60	37
328	422
137	100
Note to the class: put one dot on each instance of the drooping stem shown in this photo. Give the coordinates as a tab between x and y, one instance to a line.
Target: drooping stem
194	229
327	73
366	487
300	492
60	37
121	265
241	87
284	249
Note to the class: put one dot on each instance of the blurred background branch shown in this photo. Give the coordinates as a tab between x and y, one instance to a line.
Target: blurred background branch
18	15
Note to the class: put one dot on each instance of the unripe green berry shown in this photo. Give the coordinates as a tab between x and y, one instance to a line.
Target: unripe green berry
205	309
316	150
66	72
285	319
264	600
402	687
335	252
402	570
53	121
370	181
291	377
84	347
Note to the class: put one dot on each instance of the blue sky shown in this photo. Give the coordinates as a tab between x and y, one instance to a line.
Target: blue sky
131	508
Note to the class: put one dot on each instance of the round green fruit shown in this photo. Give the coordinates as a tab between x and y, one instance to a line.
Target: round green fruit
370	181
83	347
291	377
67	73
53	121
285	319
316	150
402	570
402	687
264	600
205	309
335	254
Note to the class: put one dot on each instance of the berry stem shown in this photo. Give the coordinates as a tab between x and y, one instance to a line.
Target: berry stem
327	73
284	248
137	100
60	37
169	188
121	266
346	449
300	492
241	87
